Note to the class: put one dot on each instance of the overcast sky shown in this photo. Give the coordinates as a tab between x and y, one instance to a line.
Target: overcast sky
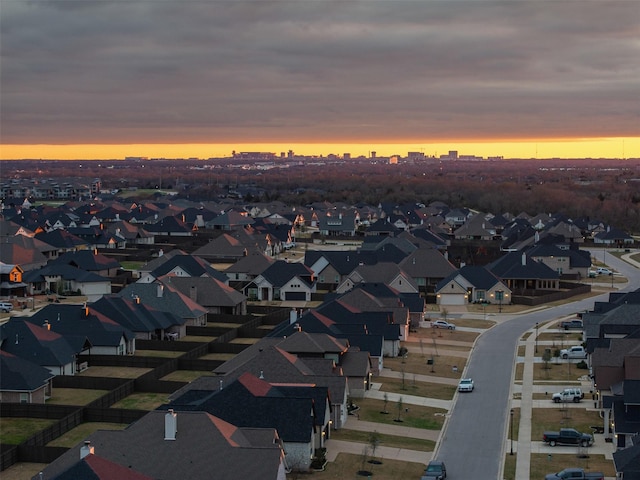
185	71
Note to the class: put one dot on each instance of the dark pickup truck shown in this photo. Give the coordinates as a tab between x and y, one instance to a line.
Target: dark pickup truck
571	325
567	436
574	473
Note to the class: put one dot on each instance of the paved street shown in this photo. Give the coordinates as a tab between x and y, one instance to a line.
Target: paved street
465	429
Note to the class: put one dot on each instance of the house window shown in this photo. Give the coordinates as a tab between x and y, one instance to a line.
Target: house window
24	398
336	279
480	295
276	294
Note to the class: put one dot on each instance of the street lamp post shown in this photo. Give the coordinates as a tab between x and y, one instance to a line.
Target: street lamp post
511	432
536	337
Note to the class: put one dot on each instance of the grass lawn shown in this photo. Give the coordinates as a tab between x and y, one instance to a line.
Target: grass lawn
245	341
566	372
416	363
218	356
78	434
196	338
385	440
142	401
442	336
224	325
157	353
185	375
74	396
420	389
22	470
114	372
17	430
131	265
347	466
417	417
561	338
542	464
543	419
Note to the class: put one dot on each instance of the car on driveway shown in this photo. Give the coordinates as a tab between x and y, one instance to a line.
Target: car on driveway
443	324
435	471
465	385
603	271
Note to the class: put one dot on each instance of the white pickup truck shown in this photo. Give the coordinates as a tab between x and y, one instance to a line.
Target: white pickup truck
576	351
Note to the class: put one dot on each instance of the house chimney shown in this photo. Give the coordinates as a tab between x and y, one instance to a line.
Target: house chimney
170	425
47	325
298	327
524	259
261	374
136	299
293	316
193	293
160	290
86	449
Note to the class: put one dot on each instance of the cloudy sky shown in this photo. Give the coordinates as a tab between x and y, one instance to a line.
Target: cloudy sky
318	71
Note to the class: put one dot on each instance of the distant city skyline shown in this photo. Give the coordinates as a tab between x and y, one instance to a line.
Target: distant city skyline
527	79
614	148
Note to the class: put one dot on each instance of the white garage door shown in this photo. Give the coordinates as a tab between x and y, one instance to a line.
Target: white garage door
452	299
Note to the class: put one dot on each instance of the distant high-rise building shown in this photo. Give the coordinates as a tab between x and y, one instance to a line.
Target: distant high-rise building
373	154
346	156
453	154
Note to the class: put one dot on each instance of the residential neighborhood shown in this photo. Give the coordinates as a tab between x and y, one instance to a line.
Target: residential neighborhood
256	340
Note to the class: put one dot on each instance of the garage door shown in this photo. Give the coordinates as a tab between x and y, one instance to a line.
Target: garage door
452	299
296	296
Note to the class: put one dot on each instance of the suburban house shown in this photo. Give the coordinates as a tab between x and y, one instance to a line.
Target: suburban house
266	360
210	293
177	446
388	273
472	284
163	296
523	275
66	279
333	224
179	265
22	381
145	321
42	346
107	337
427	266
299	413
283	281
90	261
247	268
563	259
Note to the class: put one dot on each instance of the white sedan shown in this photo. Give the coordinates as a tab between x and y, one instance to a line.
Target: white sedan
465	385
443	324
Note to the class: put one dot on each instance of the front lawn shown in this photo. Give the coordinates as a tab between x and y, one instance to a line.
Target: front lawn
420	389
82	431
417	416
442	366
348	465
543	419
385	440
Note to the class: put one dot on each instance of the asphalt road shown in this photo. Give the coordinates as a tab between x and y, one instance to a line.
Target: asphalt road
474	435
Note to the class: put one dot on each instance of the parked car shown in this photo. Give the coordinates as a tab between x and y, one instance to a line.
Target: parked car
465	385
567	436
443	324
6	307
574	473
603	271
593	273
571	325
568	395
435	470
576	351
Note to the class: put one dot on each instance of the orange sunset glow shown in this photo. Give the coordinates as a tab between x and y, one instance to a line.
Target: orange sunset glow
578	148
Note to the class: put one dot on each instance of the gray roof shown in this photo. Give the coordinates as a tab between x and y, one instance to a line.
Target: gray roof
203	444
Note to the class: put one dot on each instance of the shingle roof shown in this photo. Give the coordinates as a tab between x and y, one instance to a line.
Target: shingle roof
21	375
